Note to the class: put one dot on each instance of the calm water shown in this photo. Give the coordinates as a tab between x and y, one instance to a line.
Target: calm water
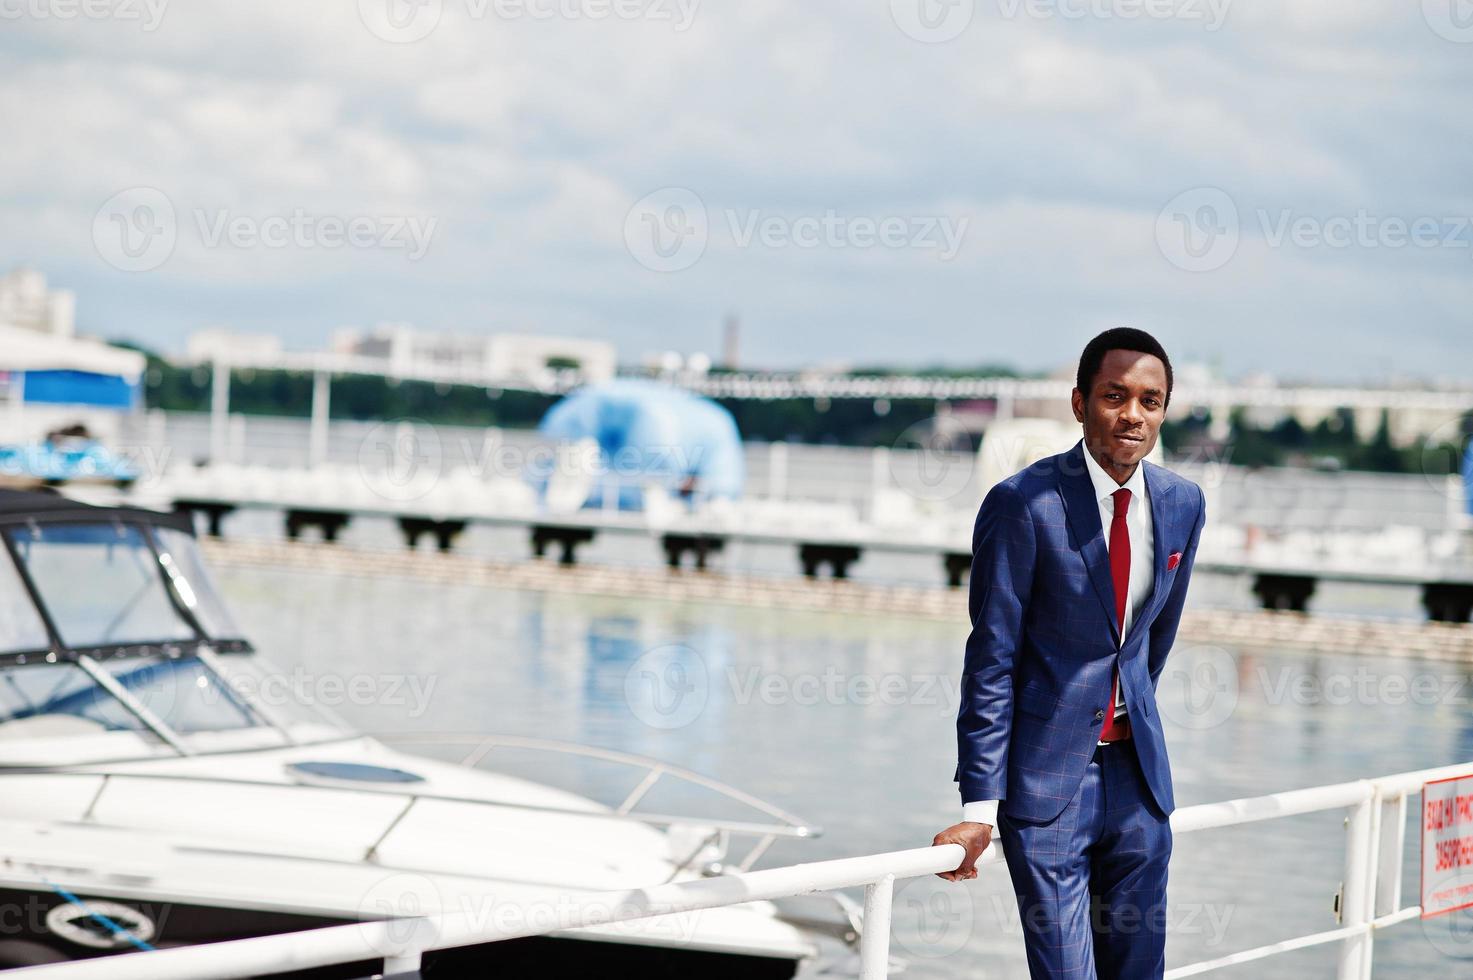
848	721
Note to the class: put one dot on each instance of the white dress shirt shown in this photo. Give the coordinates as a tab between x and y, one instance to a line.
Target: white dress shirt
1142	574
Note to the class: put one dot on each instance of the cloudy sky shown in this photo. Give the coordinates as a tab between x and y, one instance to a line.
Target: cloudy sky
1280	184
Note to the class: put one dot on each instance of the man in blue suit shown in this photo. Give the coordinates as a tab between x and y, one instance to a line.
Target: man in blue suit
1080	568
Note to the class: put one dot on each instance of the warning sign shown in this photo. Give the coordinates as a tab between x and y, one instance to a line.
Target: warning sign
1447	845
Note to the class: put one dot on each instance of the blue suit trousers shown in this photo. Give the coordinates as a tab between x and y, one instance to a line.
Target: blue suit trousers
1091	882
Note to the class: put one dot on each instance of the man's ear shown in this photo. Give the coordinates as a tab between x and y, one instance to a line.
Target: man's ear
1076	400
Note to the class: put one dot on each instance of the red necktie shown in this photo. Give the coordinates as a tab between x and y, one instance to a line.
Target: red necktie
1120	576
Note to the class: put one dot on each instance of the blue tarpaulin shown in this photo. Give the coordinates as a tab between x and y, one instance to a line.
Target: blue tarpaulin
649	433
1468	477
79	388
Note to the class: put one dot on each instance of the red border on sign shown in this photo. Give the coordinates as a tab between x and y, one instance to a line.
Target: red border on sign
1422	850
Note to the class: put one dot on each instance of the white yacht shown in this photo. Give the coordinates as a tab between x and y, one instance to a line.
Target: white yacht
154	797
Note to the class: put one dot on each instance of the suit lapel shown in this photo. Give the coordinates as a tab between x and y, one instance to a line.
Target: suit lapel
1083	511
1084	517
1163	523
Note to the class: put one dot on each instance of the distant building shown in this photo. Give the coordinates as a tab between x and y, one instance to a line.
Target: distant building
525	357
25	302
226	345
49	377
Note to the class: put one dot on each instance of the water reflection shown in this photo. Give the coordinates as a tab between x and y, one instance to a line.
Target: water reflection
847	720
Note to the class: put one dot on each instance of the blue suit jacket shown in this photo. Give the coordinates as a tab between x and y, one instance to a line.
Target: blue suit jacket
1042	649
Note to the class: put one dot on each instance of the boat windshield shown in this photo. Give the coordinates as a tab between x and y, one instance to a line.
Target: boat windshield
135	672
60	714
100	583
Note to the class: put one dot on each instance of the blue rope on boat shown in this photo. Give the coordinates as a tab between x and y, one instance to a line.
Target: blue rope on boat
108	924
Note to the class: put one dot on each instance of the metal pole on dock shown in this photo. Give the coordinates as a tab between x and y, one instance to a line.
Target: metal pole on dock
777	470
874	944
1356	890
321	393
219	409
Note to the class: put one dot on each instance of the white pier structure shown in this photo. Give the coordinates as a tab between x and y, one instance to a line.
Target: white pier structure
1441	404
832	505
1368	901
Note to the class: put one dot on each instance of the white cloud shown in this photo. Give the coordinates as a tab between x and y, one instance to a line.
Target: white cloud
528	141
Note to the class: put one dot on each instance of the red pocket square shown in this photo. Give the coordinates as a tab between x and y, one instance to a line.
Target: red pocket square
1173	561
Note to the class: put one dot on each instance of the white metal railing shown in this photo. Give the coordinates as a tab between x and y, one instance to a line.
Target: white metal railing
1369	900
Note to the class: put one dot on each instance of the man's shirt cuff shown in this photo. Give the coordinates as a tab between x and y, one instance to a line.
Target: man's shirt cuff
981	811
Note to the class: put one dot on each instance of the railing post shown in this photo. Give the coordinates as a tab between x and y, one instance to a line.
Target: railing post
403	963
1388	858
874	943
777	470
1356	890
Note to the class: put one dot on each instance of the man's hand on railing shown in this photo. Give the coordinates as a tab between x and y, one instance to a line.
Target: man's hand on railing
974	837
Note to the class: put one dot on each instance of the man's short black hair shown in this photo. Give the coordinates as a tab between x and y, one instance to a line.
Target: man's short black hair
1118	338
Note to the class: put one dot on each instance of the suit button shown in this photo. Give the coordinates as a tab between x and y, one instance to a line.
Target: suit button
1100	715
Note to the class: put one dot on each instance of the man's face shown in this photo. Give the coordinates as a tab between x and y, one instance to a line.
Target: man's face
1123	411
